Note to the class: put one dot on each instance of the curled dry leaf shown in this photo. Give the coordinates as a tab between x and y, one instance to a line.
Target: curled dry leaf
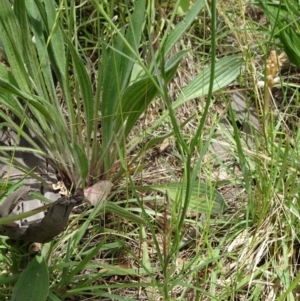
60	185
98	192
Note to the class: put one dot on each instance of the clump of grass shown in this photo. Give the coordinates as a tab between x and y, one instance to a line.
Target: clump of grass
132	248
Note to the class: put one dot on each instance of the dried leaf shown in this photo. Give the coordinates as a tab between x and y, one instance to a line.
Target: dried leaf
60	185
98	192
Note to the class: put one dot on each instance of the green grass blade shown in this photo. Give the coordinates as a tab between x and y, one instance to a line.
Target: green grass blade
55	35
119	62
139	95
133	37
29	51
181	28
121	212
44	65
85	86
39	104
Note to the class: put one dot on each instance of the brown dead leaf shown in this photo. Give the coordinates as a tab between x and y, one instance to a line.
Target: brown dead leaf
98	192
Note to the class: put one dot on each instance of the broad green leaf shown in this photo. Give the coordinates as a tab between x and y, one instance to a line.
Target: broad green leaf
291	42
137	73
204	198
226	71
33	284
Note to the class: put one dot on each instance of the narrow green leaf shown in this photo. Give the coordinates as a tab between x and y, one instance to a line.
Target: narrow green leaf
53	297
11	37
86	90
55	38
22	149
33	283
180	28
82	264
291	42
291	288
42	106
29	52
111	207
81	161
44	65
119	60
139	95
6	75
133	37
